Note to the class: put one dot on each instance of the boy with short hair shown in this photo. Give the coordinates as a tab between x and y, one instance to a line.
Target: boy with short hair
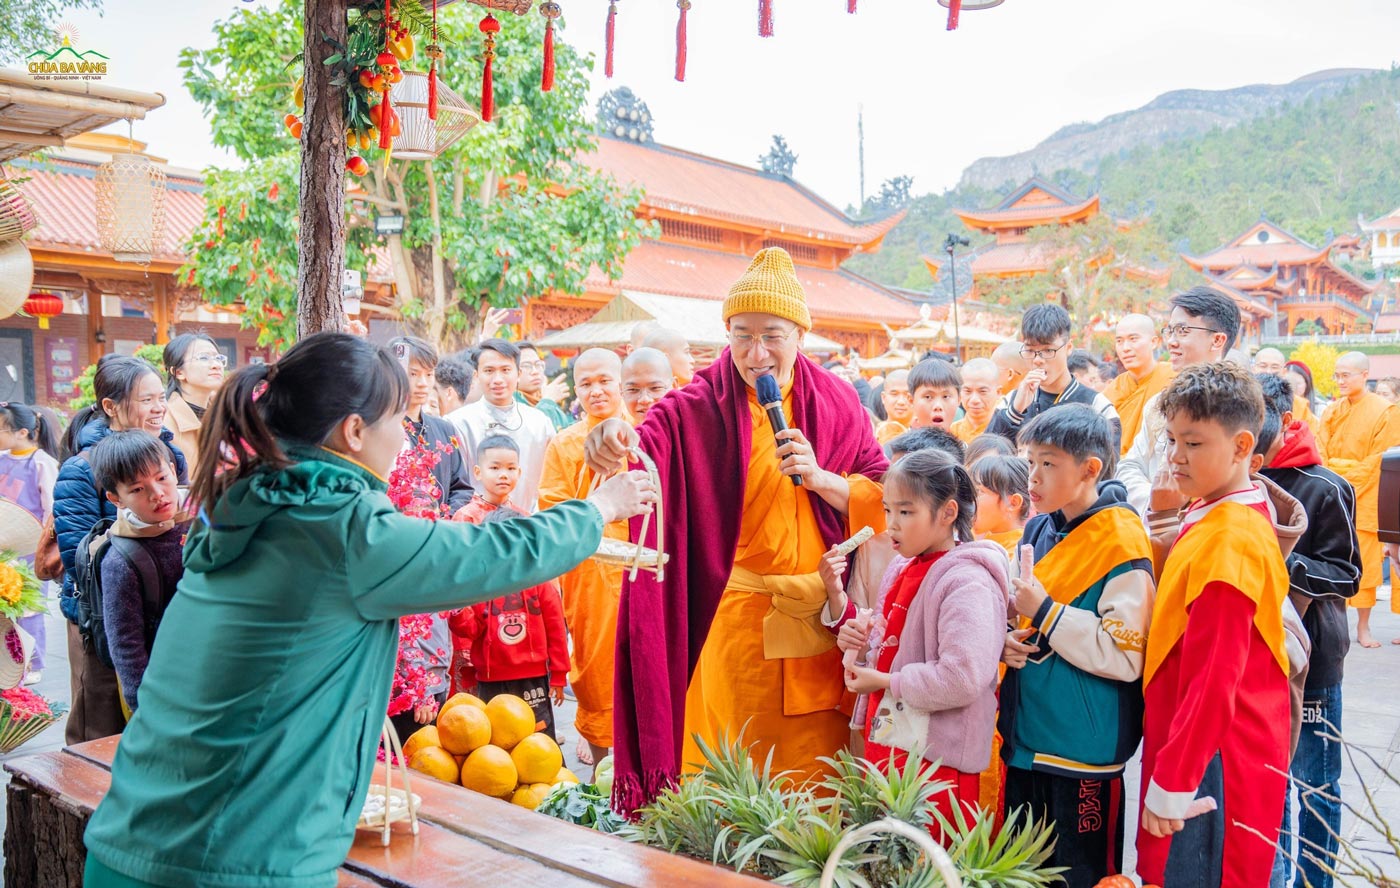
1324	570
1071	705
496	473
1045	333
934	385
143	566
1216	688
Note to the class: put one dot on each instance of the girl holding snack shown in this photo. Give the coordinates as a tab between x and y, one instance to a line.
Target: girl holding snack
928	680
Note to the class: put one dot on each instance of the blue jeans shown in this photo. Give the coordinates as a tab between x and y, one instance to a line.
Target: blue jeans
1317	764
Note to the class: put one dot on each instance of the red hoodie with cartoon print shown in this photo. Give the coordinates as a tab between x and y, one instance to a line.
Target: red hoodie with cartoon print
521	635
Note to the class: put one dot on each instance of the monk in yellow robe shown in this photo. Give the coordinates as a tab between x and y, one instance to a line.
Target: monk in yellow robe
591	590
979	398
899	407
646	378
730	639
1357	429
1136	342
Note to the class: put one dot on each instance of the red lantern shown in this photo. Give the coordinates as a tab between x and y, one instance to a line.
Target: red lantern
43	306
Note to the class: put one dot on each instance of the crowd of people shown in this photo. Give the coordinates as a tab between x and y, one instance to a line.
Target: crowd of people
1071	557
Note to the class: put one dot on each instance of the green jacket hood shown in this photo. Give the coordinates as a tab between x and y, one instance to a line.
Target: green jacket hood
318	478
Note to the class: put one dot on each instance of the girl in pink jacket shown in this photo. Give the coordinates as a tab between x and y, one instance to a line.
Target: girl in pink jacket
929	676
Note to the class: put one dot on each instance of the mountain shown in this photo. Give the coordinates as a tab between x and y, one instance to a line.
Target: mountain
1173	115
1312	167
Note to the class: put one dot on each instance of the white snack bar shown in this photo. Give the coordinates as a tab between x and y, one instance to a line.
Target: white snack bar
855	542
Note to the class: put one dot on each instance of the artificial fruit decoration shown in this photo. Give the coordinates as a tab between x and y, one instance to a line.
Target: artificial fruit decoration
357	165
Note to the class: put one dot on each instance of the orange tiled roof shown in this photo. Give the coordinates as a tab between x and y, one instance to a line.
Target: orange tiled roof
1389	222
1010	258
1035	202
675	270
64	196
697	185
1280	248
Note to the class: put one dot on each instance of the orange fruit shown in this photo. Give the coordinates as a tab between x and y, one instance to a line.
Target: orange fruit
459	699
526	796
490	771
565	776
463	729
537	758
435	762
423	737
512	720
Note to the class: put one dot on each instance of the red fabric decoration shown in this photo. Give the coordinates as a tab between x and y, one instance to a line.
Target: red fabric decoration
611	30
851	6
432	71
547	80
490	27
680	39
765	18
954	9
386	136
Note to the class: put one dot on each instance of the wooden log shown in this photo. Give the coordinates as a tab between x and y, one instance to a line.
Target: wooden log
321	240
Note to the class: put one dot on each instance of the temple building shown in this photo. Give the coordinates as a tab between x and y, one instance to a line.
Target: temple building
1280	281
1385	239
713	216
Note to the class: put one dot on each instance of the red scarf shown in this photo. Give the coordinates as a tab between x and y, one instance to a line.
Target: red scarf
700	438
896	612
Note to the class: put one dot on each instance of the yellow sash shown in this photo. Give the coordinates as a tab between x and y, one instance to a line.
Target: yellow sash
1105	540
792	627
1232	544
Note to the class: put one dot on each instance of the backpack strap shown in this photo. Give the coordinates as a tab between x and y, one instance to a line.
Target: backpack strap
152	583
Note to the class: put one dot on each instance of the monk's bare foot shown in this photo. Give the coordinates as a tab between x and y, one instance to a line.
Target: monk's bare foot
1395	641
585	752
1367	640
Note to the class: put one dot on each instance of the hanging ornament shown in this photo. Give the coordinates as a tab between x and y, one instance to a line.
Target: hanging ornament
421	137
131	207
551	11
765	18
957	7
16	276
684	6
16	215
954	9
609	33
851	6
43	306
434	52
490	27
386	135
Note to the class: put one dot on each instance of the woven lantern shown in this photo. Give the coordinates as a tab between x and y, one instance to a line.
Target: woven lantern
43	306
421	137
130	207
16	215
16	276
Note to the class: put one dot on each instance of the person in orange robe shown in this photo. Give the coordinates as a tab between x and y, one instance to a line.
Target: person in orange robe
1136	341
646	378
979	398
591	590
1271	360
1011	366
899	407
1357	429
730	638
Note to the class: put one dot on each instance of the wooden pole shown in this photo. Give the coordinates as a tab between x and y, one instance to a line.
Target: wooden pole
439	316
321	242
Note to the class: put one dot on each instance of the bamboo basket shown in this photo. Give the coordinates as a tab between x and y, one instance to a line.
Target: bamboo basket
399	804
638	556
16	215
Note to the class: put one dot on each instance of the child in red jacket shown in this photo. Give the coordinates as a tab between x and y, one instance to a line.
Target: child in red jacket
516	644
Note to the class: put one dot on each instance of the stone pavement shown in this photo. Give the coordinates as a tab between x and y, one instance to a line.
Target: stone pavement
1370	721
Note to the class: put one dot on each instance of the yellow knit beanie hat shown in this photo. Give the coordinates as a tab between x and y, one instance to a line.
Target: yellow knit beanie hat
769	286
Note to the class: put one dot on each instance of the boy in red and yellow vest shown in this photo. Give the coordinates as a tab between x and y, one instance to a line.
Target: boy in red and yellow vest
1216	720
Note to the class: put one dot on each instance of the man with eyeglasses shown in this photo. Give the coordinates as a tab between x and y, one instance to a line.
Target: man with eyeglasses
646	378
1045	332
1272	361
533	390
1357	429
1135	341
1201	329
732	637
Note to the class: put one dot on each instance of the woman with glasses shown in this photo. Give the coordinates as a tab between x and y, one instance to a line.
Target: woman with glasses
195	368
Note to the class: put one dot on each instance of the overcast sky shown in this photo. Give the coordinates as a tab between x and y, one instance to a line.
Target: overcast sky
934	100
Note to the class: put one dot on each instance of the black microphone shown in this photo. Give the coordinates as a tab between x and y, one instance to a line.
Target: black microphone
770	397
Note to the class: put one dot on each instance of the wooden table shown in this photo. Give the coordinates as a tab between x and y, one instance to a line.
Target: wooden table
464	838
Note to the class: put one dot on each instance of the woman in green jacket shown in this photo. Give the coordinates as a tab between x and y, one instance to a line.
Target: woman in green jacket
251	755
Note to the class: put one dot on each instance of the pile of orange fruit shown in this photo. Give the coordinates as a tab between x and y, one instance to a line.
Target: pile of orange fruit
492	748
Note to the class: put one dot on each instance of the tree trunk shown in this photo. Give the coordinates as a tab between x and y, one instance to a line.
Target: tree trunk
321	242
439	315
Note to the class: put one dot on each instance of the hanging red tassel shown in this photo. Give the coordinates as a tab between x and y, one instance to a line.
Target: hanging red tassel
434	52
386	134
954	10
551	11
765	18
851	6
684	6
611	30
490	27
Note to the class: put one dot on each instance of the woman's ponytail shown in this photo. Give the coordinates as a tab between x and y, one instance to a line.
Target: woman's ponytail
234	440
935	477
